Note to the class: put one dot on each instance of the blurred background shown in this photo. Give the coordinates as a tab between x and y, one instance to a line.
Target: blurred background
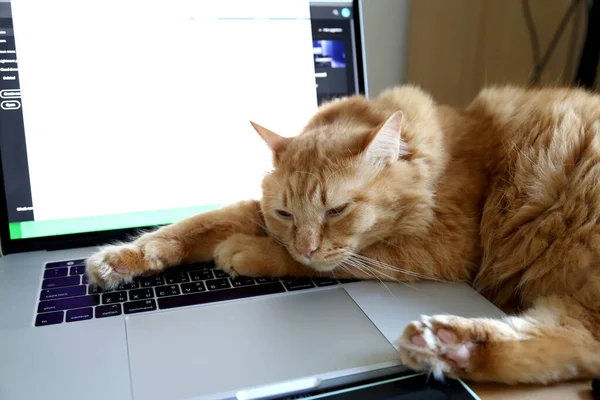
453	48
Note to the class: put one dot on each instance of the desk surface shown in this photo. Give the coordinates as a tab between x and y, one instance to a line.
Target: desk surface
581	390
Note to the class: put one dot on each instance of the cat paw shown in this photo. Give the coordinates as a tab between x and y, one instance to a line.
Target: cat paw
440	344
116	264
240	255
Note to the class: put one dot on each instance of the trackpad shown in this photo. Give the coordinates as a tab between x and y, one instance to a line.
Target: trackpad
226	347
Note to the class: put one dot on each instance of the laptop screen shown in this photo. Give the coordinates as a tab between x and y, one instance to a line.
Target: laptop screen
125	114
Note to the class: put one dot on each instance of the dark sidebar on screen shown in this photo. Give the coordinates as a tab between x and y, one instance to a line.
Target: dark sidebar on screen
333	48
12	132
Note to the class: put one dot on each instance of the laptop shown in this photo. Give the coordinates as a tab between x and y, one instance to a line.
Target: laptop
120	116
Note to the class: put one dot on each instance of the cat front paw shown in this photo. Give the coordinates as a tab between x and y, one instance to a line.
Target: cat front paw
241	255
115	264
440	344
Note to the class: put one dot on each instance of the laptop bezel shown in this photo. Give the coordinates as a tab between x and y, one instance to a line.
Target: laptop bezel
86	239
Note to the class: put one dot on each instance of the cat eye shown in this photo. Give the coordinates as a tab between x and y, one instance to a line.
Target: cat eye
283	214
336	211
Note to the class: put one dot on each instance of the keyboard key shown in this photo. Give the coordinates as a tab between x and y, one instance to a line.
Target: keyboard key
84	280
193	267
132	285
59	293
324	281
219	295
80	314
193	287
68	263
77	270
68	303
133	307
178	277
201	275
220	274
114	297
110	310
209	265
49	318
163	291
94	289
56	272
141	294
266	280
61	282
242	281
348	280
298	284
151	281
217	284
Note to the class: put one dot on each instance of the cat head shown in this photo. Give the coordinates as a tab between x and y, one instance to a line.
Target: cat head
341	185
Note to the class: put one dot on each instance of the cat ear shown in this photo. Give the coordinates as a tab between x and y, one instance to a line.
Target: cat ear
275	142
385	146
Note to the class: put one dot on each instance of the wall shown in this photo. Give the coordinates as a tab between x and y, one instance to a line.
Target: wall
385	39
456	47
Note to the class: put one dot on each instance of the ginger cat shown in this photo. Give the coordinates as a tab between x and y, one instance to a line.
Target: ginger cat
504	194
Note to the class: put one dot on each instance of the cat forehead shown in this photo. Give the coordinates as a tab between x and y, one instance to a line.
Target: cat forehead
329	179
309	188
324	144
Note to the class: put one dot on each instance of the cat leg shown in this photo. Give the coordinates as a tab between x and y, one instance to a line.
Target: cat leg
264	256
249	255
189	240
557	339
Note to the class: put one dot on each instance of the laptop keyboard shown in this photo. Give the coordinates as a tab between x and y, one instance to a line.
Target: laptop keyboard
66	295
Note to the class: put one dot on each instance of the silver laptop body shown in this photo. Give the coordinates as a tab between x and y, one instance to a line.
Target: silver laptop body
190	333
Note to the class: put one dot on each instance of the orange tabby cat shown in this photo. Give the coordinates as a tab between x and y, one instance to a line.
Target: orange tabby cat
504	194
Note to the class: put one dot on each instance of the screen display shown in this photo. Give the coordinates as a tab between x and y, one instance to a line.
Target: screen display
123	114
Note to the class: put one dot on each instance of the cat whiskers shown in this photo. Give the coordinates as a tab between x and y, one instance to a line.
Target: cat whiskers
386	276
369	271
345	268
398	269
379	264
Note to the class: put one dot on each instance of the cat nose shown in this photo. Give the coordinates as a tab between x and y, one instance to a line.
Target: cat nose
307	252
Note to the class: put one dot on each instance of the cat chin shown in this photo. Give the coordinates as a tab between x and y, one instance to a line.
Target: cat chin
319	266
323	267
